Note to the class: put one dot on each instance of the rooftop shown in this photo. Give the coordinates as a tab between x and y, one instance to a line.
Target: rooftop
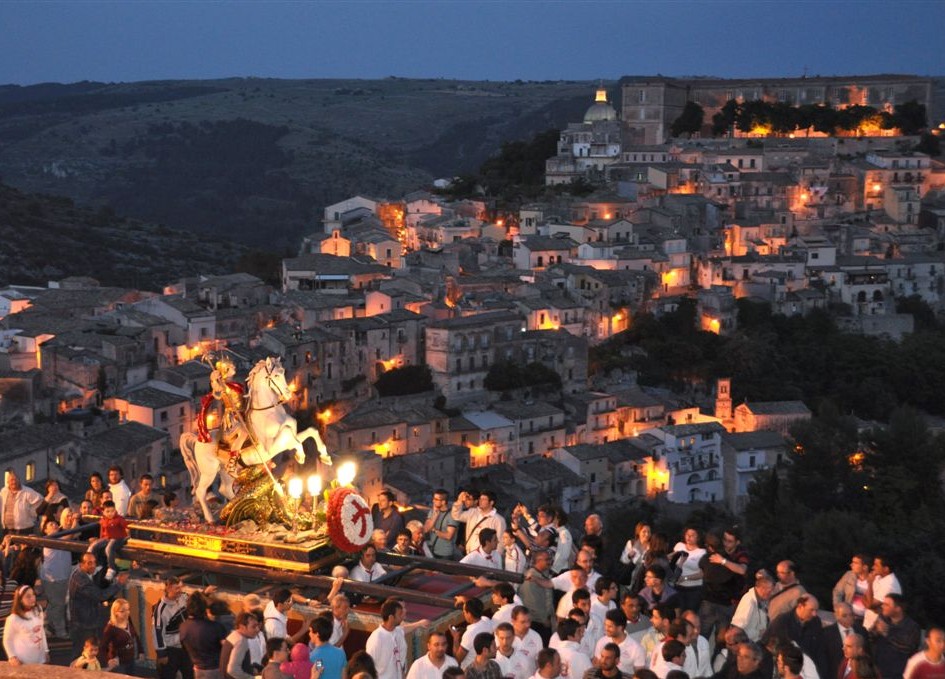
119	441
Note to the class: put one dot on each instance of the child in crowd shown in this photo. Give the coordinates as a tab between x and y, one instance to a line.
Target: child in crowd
89	658
113	534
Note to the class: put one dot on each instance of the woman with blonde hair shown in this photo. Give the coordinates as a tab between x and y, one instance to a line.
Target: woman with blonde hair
120	645
24	634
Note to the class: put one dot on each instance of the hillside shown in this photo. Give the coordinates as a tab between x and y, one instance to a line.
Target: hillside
256	159
45	238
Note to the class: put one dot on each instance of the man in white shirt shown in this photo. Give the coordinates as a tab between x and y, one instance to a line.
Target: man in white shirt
697	650
504	599
673	652
750	614
121	493
486	555
548	664
568	582
388	644
513	558
574	661
18	505
593	630
527	641
431	665
512	663
340	607
603	601
367	570
477	518
632	656
475	624
275	618
678	631
584	561
882	583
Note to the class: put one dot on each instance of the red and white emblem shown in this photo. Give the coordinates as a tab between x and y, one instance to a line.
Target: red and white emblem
349	520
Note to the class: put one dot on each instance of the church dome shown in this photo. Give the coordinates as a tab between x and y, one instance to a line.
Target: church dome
600	109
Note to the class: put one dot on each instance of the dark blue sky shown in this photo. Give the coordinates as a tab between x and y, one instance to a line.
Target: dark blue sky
128	40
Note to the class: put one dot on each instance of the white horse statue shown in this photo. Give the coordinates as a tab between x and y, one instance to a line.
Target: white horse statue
272	431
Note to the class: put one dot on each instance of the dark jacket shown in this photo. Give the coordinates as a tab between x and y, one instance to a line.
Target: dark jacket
892	651
809	635
118	643
202	639
86	599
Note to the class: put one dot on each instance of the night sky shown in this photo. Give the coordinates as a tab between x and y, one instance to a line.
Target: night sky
129	40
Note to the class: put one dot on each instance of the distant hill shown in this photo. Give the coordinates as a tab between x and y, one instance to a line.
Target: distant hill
46	238
256	159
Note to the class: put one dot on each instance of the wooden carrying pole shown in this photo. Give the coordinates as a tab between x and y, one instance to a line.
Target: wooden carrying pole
161	560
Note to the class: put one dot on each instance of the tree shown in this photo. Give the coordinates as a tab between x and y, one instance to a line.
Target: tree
689	121
724	120
506	375
519	163
411	379
910	117
929	144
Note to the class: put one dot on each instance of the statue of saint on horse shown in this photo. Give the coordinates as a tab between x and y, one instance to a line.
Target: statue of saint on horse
250	433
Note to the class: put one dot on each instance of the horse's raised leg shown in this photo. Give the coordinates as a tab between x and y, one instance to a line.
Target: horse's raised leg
207	474
312	433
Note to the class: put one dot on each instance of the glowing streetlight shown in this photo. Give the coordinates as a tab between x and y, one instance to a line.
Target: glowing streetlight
346	473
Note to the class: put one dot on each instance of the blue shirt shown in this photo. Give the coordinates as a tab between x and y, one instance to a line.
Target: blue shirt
333	660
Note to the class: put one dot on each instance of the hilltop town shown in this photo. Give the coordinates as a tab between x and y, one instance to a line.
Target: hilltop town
443	340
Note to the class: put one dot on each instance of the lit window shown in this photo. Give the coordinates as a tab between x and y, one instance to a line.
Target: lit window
30	471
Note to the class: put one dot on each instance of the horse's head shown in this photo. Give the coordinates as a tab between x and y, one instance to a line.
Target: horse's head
270	374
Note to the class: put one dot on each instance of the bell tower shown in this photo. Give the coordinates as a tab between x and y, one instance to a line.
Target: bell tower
723	399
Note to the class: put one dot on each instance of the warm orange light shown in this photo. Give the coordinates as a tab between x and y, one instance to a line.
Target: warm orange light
481	449
211	420
383	449
761	130
500	222
804	197
606	215
325	415
856	459
714	326
877	186
391	363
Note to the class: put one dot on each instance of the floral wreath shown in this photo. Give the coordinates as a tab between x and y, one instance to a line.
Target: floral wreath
350	524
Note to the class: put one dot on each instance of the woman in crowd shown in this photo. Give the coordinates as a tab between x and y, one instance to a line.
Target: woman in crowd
120	646
24	634
96	488
689	583
633	551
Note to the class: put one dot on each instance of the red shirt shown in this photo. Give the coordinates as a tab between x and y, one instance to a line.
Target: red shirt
114	528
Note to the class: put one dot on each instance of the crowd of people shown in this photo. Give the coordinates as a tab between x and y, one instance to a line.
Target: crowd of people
559	606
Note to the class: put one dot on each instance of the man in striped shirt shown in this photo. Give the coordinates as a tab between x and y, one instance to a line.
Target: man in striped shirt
166	617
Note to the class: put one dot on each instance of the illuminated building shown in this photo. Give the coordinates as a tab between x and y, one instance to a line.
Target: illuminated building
651	104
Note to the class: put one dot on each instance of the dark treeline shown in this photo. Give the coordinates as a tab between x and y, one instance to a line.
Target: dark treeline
848	487
773	357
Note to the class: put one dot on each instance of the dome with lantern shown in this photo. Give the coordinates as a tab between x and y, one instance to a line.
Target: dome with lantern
600	109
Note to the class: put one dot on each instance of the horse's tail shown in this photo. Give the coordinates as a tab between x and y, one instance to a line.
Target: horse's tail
188	442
